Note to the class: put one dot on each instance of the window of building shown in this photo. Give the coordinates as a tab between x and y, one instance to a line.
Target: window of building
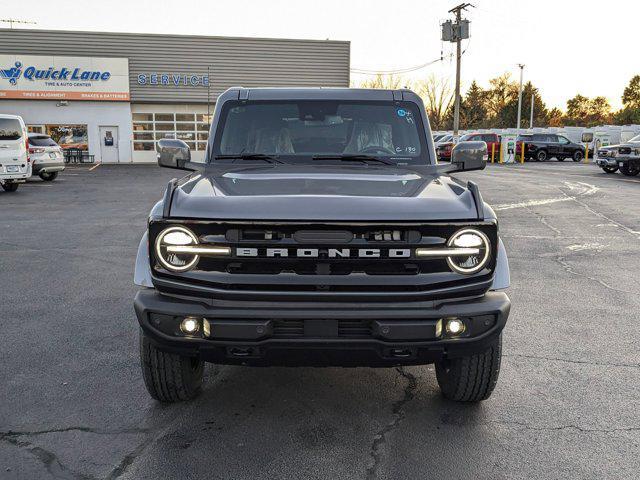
148	128
69	136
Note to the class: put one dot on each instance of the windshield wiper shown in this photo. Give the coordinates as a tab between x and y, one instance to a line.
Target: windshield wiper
249	156
353	158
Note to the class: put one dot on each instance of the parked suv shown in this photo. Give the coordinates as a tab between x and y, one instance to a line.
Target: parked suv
542	146
321	231
15	167
46	155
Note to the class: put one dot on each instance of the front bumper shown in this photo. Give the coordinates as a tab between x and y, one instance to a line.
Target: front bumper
317	335
606	162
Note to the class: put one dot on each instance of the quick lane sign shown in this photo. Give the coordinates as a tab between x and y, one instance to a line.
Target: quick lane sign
64	78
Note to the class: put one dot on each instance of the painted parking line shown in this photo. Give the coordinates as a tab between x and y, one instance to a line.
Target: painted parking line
94	167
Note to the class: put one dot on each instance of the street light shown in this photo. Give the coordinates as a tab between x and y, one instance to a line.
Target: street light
521	65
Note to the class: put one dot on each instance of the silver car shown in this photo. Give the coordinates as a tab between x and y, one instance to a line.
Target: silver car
46	156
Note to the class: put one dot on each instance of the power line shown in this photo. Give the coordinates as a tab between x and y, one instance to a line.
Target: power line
11	21
397	71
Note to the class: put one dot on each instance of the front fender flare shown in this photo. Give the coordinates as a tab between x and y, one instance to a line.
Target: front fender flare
142	274
501	278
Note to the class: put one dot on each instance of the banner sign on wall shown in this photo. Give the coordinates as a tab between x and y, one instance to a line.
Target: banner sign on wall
38	77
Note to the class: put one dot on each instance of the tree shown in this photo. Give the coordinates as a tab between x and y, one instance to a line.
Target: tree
390	81
473	108
630	113
437	95
588	112
555	118
631	94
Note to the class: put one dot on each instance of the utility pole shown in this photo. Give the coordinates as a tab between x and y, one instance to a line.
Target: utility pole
456	32
520	97
531	117
11	21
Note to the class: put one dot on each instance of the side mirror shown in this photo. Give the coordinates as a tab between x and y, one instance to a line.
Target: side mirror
467	156
587	137
173	153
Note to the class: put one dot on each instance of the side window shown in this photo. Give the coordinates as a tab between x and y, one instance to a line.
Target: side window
552	138
563	140
488	138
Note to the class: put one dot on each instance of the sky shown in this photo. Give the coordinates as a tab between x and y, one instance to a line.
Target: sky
567	46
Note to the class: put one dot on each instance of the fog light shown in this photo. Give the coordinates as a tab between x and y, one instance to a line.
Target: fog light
454	326
189	325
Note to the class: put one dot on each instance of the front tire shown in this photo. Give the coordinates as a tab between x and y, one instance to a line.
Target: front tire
577	156
610	169
629	171
472	378
541	156
169	377
10	187
48	177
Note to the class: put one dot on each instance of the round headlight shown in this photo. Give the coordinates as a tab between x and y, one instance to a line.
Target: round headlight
469	239
176	237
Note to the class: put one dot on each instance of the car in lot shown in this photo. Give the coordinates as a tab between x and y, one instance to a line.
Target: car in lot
47	158
444	146
491	139
320	230
543	146
624	157
15	166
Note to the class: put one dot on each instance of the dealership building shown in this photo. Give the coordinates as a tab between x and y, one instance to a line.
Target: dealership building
116	94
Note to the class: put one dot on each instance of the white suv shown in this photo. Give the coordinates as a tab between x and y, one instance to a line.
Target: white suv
46	156
15	166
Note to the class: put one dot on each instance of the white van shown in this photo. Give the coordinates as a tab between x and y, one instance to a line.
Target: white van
15	167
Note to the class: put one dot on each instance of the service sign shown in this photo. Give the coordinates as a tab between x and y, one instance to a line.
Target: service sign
37	77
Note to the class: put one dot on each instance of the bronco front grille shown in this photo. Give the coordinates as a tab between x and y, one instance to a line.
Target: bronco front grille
300	258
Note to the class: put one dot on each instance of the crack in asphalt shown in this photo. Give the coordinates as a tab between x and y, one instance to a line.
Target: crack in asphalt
580	429
560	259
97	431
578	362
380	438
49	459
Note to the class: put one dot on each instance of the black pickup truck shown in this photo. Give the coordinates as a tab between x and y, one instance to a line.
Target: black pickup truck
320	230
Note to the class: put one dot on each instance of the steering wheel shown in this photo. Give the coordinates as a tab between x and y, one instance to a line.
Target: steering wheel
377	149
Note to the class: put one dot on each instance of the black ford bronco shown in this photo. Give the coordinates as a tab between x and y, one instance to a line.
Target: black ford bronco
320	230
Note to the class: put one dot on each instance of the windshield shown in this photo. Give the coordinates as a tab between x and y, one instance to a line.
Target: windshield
10	129
297	131
635	139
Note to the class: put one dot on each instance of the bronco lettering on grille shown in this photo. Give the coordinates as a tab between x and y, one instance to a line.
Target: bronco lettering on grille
328	252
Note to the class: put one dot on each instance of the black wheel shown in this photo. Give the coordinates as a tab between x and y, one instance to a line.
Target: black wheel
541	156
169	377
10	187
560	159
630	171
48	177
610	169
577	156
472	378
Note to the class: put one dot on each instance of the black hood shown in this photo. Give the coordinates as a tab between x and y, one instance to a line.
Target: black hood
323	193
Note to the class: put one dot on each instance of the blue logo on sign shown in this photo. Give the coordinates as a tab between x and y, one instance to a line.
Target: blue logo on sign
12	74
402	112
32	73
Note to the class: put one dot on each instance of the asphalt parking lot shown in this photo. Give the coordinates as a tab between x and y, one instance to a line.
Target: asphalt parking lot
566	405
